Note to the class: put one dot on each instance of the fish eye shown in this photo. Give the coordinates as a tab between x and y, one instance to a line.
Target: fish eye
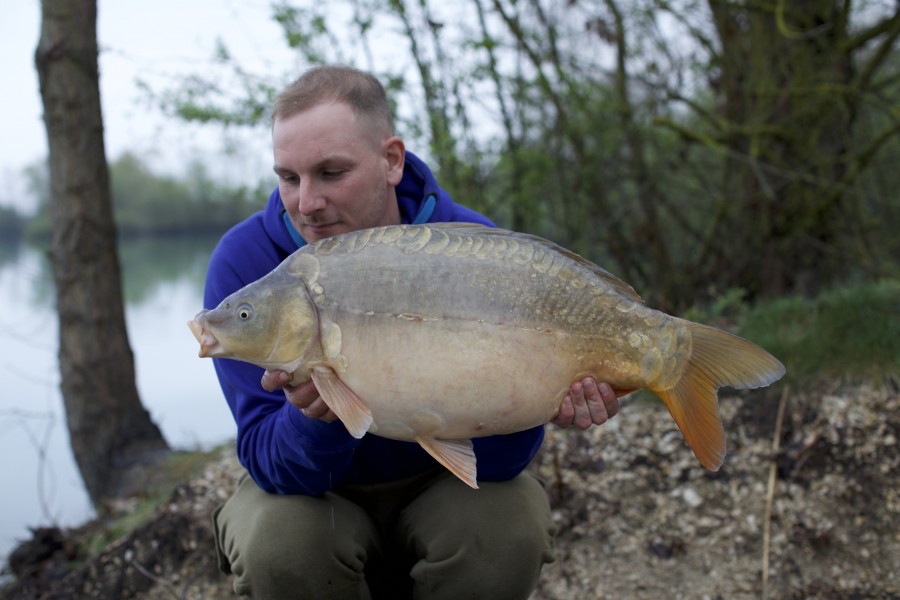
244	311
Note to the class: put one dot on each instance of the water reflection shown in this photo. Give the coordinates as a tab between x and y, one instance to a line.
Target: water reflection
163	287
9	252
148	263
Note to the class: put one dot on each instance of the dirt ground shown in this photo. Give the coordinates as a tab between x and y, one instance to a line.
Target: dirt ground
638	516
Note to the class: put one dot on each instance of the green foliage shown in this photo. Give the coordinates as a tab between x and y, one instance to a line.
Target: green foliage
724	309
145	203
688	147
233	99
849	332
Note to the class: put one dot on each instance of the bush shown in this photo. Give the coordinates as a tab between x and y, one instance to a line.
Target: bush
849	332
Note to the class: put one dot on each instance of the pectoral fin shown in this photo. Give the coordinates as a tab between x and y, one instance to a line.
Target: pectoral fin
352	411
457	455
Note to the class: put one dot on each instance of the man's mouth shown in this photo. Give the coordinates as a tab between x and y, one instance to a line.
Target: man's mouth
317	231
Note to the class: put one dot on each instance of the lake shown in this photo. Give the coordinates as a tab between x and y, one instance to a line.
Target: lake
163	285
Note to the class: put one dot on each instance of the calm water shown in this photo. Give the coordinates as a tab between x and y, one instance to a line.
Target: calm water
163	282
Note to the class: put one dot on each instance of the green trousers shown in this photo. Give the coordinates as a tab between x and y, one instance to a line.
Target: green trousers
430	536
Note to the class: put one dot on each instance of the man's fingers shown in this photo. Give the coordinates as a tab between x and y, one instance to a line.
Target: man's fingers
587	403
595	406
580	395
317	409
563	419
272	380
610	400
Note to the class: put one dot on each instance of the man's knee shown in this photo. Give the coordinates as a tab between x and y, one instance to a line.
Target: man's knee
484	567
300	540
293	546
486	543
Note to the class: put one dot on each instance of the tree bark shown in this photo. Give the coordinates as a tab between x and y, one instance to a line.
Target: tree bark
109	428
788	93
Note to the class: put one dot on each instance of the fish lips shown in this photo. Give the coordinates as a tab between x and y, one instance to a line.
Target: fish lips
209	345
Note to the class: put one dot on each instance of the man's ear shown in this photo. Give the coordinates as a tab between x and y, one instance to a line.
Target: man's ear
395	153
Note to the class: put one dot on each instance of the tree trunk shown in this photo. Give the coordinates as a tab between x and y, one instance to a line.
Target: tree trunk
109	428
786	80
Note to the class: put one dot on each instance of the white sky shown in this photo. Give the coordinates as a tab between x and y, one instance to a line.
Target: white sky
158	41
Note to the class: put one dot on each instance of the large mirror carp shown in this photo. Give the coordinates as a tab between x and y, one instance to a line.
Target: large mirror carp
444	332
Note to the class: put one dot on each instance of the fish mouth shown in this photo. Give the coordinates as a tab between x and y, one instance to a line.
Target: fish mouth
209	345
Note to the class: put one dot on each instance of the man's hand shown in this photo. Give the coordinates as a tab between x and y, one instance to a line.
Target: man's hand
304	396
587	403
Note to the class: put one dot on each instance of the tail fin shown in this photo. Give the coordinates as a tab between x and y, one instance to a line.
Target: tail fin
717	358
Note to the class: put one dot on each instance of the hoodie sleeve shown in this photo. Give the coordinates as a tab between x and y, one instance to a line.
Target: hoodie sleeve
284	451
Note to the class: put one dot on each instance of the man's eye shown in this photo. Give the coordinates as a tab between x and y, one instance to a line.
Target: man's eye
332	174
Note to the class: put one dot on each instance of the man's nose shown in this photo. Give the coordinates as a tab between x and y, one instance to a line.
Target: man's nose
309	200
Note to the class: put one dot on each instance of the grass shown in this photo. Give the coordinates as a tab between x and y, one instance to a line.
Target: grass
157	486
850	332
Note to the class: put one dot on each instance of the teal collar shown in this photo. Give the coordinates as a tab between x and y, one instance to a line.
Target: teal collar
295	235
426	211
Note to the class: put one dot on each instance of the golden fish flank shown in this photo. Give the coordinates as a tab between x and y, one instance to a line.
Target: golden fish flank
441	333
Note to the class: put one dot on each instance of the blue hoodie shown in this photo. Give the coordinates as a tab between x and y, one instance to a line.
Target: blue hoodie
284	451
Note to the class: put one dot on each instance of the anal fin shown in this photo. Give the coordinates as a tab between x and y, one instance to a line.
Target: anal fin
349	408
457	455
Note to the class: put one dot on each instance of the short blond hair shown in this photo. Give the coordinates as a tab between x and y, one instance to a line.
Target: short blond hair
336	83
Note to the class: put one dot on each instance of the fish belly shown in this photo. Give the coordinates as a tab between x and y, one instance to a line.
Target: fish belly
451	380
455	332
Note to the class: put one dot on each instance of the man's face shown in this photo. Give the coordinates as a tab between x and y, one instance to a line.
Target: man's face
335	173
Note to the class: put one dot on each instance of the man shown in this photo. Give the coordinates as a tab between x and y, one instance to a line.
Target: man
322	514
